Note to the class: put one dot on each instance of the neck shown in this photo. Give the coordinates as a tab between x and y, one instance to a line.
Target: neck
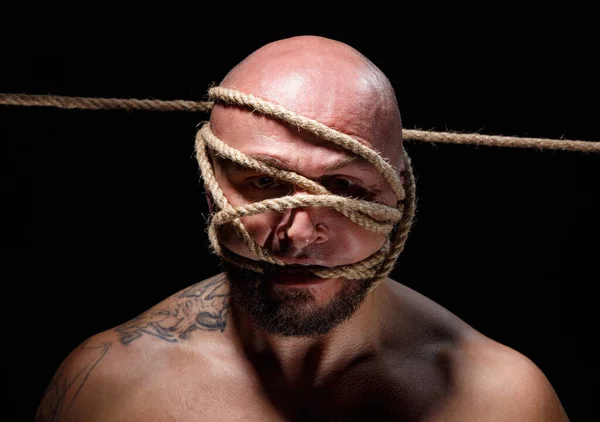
311	359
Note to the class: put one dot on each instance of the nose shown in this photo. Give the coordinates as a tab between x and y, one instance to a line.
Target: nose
303	228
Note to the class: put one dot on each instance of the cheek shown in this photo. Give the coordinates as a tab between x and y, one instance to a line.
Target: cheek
260	227
350	242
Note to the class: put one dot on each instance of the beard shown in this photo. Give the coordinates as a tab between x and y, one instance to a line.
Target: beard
295	313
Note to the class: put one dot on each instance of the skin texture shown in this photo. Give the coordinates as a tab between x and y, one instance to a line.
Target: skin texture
199	355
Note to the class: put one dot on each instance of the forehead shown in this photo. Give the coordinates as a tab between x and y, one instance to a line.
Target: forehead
260	136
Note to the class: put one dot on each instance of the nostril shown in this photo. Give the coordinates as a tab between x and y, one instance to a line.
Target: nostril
322	233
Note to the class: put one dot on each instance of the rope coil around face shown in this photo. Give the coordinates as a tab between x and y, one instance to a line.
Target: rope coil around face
321	197
375	217
347	142
366	268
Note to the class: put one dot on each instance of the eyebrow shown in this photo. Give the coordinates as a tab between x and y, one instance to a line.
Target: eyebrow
276	162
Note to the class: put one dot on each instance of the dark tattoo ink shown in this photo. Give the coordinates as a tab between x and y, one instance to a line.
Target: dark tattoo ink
203	306
65	386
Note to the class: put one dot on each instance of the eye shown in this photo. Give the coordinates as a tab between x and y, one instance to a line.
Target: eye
342	186
264	182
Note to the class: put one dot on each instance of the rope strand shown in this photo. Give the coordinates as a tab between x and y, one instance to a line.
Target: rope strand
83	103
500	141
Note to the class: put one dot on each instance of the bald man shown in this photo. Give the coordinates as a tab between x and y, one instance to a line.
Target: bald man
257	345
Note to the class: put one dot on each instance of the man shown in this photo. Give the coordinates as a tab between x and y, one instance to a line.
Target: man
303	324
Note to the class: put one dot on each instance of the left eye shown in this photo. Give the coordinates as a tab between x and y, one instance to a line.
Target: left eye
264	182
340	184
345	187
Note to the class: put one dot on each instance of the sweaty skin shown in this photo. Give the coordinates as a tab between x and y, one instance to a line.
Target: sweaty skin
197	356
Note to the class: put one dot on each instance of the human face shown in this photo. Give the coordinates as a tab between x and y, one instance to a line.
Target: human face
309	236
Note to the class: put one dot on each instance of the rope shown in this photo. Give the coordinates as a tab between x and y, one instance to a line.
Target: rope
103	103
205	106
500	141
372	216
378	218
341	139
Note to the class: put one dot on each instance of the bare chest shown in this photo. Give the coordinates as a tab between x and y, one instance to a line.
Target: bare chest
369	392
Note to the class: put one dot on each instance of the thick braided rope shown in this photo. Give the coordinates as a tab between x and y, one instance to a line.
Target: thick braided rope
84	103
374	217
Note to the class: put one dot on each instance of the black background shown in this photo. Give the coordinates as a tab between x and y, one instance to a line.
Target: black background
103	210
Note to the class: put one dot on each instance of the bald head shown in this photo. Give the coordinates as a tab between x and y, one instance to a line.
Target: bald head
324	80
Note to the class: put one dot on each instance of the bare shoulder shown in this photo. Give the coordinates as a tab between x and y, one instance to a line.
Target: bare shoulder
72	376
494	382
109	367
486	380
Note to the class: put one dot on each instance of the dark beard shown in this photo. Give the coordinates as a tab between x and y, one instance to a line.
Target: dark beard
294	315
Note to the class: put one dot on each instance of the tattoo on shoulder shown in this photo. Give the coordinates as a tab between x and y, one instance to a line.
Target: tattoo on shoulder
203	306
66	385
